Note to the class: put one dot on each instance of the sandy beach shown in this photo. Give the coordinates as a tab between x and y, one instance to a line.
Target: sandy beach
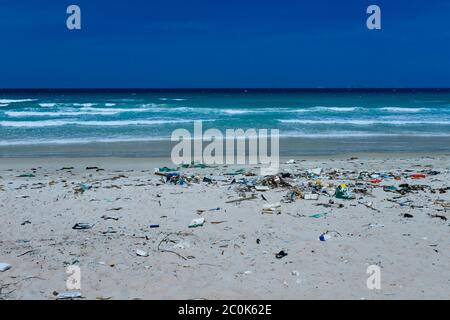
397	221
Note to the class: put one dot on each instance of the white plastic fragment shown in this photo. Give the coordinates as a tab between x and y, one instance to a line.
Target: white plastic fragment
69	295
4	266
141	253
197	223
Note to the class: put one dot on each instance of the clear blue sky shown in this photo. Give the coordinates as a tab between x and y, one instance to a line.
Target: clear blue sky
224	43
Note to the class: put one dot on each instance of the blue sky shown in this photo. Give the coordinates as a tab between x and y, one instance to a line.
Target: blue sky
225	44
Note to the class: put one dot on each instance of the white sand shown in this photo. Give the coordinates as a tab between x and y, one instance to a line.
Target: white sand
218	260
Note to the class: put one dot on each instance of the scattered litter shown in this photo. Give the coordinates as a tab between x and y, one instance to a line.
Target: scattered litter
311	196
328	235
342	192
280	254
82	226
444	218
318	215
262	188
315	171
197	223
105	217
141	253
271	207
4	266
253	196
154	226
324	237
26	175
69	295
418	176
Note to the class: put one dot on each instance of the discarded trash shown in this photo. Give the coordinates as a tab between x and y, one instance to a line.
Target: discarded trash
253	196
327	235
4	266
166	169
281	254
318	215
418	176
69	295
324	237
291	161
311	196
271	207
316	171
82	188
141	253
154	226
105	217
262	188
26	175
197	223
407	215
82	226
444	218
342	192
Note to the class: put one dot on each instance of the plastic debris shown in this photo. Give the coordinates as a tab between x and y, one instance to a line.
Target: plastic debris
141	253
166	169
4	266
82	226
324	237
318	215
418	176
69	295
311	196
280	254
197	223
342	192
26	175
271	207
315	171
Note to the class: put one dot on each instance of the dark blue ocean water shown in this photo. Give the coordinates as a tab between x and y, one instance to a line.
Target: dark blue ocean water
64	117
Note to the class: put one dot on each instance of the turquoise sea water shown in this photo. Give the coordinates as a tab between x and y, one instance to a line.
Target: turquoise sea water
58	117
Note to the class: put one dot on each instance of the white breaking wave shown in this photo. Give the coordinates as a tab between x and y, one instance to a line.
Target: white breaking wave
335	109
47	105
110	104
24	114
4	105
115	110
176	99
65	122
406	110
366	122
16	101
84	104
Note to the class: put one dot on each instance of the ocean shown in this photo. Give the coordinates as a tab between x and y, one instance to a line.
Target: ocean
52	118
